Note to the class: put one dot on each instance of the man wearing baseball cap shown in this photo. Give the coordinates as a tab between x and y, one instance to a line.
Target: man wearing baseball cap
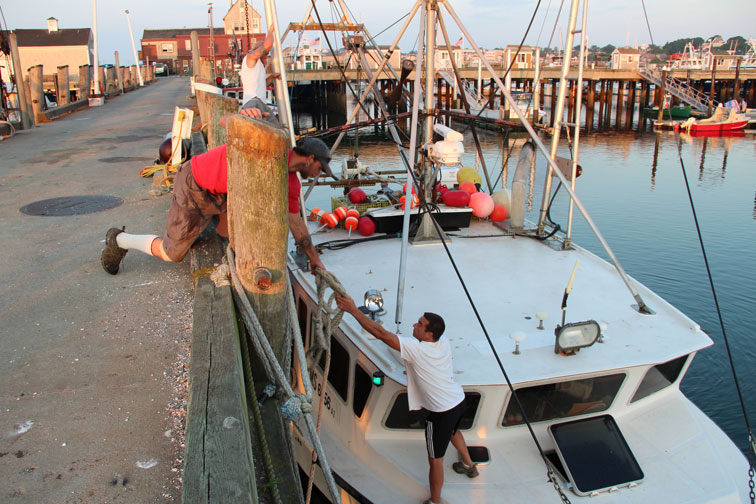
200	192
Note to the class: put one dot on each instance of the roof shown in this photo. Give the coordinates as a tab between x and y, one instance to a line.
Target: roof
627	50
172	33
44	38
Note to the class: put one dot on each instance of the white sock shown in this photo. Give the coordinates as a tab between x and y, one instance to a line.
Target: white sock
136	242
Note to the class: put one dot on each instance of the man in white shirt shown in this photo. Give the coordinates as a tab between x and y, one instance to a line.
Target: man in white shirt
252	72
430	387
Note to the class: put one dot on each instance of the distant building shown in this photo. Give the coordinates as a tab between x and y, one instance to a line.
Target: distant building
725	60
52	48
625	58
174	47
525	58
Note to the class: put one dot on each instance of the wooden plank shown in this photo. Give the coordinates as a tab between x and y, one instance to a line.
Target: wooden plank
218	465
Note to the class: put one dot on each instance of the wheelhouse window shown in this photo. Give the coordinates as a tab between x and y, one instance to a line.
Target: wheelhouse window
659	377
400	417
563	399
338	373
363	384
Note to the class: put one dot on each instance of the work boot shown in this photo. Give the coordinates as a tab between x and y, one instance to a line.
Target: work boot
112	254
461	468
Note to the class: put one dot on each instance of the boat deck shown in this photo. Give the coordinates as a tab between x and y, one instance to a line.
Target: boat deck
530	277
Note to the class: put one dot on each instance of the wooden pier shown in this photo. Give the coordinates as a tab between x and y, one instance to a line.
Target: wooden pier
612	99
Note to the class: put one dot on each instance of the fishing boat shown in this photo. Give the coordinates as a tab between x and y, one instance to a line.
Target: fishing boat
724	119
571	367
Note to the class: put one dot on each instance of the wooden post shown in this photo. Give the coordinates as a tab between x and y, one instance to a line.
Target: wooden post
212	107
609	100
553	100
660	100
602	99
590	105
133	71
84	82
24	100
64	92
713	85
620	101
736	86
630	103
258	219
119	72
37	94
195	54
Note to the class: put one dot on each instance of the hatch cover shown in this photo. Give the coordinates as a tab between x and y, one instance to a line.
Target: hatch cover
71	205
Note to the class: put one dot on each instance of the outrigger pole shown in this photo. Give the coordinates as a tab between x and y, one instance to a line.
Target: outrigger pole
642	307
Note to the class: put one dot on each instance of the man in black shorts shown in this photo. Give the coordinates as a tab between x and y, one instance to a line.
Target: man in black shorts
430	387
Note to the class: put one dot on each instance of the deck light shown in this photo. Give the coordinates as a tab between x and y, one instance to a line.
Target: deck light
570	338
374	303
378	378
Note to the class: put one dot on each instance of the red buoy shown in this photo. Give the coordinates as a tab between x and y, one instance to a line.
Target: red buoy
357	195
366	226
499	213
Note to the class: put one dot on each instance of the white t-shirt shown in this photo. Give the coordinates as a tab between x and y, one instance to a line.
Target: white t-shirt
430	383
253	80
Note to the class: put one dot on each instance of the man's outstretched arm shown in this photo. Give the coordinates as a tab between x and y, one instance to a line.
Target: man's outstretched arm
371	326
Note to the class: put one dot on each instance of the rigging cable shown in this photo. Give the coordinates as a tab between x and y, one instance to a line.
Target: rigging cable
751	439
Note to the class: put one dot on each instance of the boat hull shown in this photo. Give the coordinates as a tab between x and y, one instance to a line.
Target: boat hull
718	127
673	113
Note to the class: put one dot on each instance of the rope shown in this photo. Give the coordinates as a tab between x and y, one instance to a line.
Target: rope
751	446
273	369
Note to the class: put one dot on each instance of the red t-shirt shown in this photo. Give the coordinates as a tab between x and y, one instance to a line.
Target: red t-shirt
210	171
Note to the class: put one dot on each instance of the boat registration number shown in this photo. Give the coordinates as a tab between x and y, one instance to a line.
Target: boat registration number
330	405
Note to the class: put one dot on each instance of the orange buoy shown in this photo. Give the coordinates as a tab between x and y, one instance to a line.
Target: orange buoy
413	203
353	212
499	213
468	187
329	219
340	212
316	214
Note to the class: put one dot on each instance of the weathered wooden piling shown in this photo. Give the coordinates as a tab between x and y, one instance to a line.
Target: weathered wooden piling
37	94
63	92
84	82
119	73
212	107
24	99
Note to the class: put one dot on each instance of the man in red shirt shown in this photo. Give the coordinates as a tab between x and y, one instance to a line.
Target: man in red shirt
200	193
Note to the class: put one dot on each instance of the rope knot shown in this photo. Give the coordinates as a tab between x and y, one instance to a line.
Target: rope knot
294	406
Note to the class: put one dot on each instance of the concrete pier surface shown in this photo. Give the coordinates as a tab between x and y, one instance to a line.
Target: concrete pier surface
92	366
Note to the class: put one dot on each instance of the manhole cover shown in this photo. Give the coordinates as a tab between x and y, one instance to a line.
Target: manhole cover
71	205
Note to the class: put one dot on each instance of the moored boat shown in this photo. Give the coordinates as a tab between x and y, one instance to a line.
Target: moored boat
724	119
586	394
677	112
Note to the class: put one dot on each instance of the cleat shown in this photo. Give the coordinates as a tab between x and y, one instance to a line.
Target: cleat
461	468
112	254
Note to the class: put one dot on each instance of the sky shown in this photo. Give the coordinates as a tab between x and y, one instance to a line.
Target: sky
492	23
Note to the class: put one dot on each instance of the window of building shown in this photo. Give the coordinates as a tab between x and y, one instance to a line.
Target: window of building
400	417
659	377
188	44
166	48
563	399
363	384
338	373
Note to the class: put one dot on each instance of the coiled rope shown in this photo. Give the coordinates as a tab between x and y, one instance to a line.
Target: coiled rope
294	403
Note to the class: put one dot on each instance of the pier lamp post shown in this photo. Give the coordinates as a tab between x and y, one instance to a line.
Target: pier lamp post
133	48
96	90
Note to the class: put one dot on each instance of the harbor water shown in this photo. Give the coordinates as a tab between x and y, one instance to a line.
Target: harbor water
633	187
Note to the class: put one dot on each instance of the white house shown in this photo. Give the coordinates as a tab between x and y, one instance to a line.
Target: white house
625	58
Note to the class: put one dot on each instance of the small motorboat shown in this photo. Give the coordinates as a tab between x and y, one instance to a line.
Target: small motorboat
722	120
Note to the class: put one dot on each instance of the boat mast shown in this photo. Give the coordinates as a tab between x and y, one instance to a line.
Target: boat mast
409	184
